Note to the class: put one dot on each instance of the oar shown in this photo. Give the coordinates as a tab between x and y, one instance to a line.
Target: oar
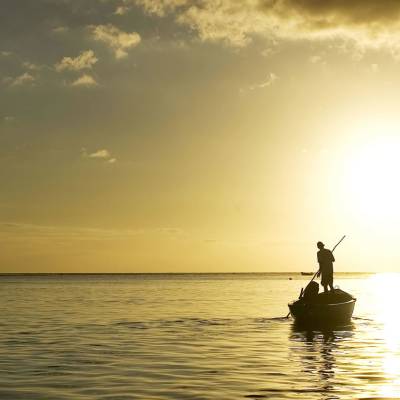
301	292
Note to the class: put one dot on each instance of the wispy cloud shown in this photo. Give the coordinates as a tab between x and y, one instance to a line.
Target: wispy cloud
121	10
101	154
85	60
31	66
317	59
24	231
104	153
367	23
24	79
159	7
85	81
119	41
60	29
270	80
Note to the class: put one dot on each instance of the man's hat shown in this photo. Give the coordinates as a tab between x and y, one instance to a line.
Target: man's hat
320	244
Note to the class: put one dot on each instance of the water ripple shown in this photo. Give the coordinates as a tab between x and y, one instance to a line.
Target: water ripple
192	339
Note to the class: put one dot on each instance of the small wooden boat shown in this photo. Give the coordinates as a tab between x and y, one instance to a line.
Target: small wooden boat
307	273
324	309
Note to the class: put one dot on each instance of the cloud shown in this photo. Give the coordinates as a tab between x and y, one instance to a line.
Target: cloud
102	154
322	14
319	59
24	79
159	7
270	80
31	66
60	29
269	51
367	23
316	59
121	10
6	53
22	231
119	41
85	60
85	80
9	119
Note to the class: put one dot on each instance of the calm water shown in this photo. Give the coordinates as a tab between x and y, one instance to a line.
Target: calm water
191	337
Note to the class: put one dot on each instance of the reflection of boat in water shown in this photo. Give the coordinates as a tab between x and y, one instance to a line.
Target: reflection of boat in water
325	309
307	273
316	352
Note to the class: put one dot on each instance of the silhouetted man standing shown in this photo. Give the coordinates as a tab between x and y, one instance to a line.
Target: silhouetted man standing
325	261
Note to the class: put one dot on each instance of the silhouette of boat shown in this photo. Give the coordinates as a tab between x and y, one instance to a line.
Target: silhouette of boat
307	273
325	309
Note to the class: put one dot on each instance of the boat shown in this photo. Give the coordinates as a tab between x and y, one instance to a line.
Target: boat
307	273
333	308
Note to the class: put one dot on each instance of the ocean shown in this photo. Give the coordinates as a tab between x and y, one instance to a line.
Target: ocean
192	336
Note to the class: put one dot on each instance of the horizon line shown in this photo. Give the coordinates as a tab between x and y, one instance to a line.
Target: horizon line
179	273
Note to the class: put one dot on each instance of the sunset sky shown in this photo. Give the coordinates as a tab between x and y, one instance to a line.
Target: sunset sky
199	135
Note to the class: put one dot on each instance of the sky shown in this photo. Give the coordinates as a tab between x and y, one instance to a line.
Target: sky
198	135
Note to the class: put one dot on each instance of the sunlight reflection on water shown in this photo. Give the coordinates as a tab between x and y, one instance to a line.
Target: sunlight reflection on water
384	289
197	337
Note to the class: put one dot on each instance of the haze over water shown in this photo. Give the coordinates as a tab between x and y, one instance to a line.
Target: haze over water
190	337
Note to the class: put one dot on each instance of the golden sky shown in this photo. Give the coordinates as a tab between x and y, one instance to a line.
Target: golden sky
198	135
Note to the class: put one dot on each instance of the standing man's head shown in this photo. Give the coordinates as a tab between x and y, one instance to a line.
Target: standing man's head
320	245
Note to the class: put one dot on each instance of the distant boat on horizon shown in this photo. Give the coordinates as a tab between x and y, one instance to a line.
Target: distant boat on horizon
307	273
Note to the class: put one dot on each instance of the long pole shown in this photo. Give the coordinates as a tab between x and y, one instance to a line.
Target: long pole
337	244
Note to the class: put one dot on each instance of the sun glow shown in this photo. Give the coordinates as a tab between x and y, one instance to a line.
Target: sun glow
372	174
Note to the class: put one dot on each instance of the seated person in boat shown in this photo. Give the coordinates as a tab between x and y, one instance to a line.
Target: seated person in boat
325	261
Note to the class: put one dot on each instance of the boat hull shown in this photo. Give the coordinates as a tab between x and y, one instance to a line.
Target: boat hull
322	314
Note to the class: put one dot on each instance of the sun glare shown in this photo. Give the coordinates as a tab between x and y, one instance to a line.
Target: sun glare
384	292
384	295
373	173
